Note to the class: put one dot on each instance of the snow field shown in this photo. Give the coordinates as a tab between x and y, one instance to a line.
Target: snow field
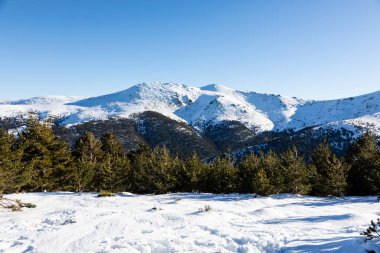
81	222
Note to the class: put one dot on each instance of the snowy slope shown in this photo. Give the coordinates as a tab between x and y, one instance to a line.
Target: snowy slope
277	108
211	104
351	111
218	104
164	98
45	106
81	222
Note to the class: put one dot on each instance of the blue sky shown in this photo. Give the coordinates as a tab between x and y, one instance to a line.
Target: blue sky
319	49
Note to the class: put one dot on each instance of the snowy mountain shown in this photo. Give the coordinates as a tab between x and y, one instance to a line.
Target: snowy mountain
207	106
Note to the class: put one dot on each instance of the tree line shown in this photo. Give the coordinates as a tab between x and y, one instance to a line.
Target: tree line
37	160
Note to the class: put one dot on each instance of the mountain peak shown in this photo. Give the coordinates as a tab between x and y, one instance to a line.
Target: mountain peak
210	104
215	87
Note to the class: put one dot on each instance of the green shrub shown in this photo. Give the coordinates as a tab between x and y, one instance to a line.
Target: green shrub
207	208
105	194
372	231
29	205
14	205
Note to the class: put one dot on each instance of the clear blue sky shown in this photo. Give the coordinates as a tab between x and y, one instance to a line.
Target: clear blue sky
317	49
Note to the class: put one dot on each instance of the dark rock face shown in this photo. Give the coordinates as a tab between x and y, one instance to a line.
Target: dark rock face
230	135
124	129
305	140
180	138
150	127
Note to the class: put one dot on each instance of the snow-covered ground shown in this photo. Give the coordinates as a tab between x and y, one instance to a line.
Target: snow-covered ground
73	222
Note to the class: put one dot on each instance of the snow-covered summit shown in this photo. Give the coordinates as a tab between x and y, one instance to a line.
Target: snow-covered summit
210	104
216	88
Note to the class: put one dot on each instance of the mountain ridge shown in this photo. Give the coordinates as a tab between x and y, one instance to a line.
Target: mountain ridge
207	105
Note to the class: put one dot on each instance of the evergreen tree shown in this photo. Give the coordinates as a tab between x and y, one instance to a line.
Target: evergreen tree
331	172
38	160
190	173
261	174
364	159
89	174
45	157
295	171
248	170
115	164
139	178
185	180
161	170
220	177
271	164
262	183
10	166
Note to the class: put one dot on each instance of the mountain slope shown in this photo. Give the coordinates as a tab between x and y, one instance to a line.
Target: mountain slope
205	106
349	111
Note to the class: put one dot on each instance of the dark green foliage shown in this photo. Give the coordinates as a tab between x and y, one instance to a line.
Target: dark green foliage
105	194
38	161
193	170
207	208
248	170
271	165
159	171
372	231
29	205
115	164
253	175
14	204
153	171
10	165
364	174
331	172
89	173
295	172
219	177
45	158
270	174
262	183
139	173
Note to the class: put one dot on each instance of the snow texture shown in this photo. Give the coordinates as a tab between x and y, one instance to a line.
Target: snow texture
210	104
82	222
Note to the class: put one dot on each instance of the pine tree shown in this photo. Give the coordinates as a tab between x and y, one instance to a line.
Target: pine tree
364	159
261	174
139	176
45	158
295	171
10	166
198	172
248	170
220	177
185	178
115	164
161	170
88	174
331	172
262	183
273	171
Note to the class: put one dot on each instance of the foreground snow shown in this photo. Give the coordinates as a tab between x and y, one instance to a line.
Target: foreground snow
72	222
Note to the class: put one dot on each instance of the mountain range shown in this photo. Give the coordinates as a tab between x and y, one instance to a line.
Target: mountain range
209	120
